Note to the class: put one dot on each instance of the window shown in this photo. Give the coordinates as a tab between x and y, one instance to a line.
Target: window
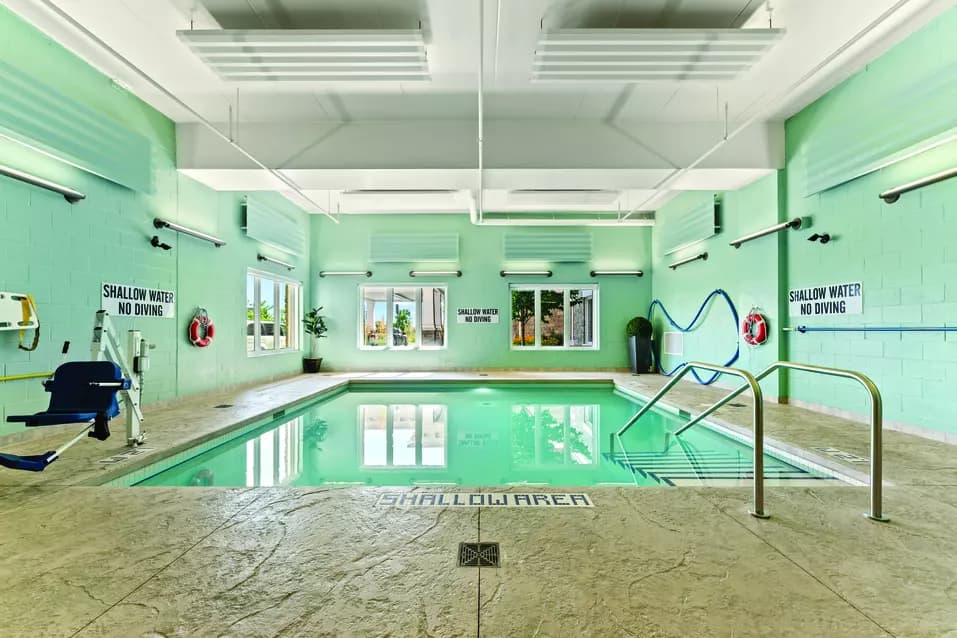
275	457
561	317
403	318
549	435
403	435
272	313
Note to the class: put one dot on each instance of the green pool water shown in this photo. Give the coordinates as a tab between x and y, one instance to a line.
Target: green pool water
483	435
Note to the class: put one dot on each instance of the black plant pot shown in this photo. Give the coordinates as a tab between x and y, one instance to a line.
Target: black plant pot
633	354
640	354
311	365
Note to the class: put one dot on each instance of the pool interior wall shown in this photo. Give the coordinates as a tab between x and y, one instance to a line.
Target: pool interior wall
490	434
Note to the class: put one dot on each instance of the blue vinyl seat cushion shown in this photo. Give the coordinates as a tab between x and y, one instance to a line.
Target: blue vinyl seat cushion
73	399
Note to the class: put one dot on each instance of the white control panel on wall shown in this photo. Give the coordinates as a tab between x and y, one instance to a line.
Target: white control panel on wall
674	343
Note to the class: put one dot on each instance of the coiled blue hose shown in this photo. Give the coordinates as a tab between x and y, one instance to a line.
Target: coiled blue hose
691	326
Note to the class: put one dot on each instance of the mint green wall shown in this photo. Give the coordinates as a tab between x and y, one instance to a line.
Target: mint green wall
61	253
346	247
748	275
904	253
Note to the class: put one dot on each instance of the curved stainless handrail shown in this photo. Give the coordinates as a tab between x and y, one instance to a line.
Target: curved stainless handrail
877	414
757	421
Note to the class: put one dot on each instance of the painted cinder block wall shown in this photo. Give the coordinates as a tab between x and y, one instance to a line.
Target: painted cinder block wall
749	275
345	246
62	254
903	253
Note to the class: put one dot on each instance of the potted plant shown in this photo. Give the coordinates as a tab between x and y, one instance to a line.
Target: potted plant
639	331
315	325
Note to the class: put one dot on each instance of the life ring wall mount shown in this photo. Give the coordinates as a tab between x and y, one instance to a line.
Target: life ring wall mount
201	329
754	328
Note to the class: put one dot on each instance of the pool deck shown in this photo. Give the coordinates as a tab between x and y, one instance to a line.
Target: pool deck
76	559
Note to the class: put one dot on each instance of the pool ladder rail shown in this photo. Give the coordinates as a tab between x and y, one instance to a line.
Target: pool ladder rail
757	422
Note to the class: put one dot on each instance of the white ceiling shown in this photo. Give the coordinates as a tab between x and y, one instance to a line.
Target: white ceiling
784	81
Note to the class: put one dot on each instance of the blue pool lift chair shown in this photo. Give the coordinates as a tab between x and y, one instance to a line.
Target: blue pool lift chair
80	392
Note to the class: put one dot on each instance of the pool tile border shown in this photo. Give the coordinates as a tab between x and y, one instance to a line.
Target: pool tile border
150	466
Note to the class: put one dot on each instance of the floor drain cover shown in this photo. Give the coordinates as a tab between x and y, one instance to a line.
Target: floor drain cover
223	405
478	555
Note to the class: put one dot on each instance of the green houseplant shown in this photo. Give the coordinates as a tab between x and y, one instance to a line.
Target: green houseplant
314	324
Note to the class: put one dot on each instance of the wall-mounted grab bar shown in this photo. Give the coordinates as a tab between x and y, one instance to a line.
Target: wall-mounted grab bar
803	329
894	194
757	421
796	223
69	194
877	416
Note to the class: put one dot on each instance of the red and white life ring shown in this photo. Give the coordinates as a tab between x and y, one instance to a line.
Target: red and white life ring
754	328
201	329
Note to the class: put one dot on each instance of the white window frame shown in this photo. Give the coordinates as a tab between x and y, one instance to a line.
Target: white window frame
390	433
294	327
565	288
390	310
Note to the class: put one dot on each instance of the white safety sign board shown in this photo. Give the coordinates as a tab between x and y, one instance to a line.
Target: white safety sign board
134	301
829	299
477	315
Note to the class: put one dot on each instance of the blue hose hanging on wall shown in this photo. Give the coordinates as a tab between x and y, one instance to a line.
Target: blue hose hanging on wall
691	326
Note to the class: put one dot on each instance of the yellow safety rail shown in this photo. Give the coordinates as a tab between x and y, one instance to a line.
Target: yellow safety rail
33	375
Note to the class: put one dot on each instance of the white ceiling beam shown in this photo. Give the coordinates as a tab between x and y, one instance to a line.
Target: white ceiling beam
508	144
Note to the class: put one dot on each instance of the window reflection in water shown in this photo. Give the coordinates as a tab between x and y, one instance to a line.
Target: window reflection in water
275	457
403	435
554	435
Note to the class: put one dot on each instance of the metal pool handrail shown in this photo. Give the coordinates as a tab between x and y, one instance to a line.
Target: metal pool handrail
877	417
757	421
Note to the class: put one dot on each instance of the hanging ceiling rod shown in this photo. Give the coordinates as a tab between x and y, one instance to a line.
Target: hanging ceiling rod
270	260
775	101
168	94
162	223
894	194
69	194
795	224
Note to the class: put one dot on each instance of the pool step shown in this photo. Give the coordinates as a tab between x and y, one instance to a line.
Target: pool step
719	468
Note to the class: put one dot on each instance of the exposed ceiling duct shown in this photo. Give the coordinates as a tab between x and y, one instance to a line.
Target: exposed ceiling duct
640	55
309	55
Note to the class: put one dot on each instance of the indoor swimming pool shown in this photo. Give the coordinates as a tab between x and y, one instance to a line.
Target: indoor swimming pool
471	435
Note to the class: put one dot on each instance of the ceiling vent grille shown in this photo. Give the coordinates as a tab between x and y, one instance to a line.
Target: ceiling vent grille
309	55
900	122
280	229
548	246
413	247
640	55
38	115
688	221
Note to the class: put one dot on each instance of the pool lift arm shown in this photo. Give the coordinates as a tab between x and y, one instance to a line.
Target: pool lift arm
106	345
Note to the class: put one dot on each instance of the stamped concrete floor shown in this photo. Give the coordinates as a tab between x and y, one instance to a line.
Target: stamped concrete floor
169	562
655	562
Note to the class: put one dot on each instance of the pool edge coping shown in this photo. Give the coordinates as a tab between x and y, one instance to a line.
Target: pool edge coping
784	451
